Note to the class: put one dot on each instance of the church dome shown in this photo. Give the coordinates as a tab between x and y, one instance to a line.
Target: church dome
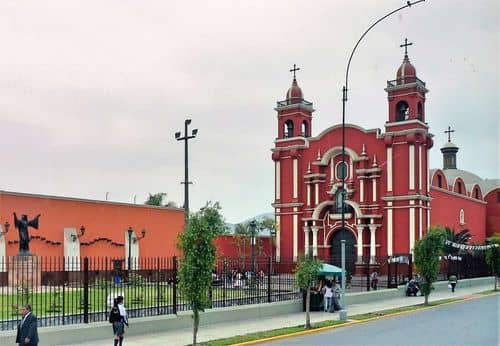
294	93
406	69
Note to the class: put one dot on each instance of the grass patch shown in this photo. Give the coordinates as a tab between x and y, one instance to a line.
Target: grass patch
367	316
268	334
488	292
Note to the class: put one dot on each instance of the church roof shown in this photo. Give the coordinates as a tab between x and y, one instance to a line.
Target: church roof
486	185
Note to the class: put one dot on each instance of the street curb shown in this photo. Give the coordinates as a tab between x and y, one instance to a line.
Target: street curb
353	322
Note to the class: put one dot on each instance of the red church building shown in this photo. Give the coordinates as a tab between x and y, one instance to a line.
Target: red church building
391	195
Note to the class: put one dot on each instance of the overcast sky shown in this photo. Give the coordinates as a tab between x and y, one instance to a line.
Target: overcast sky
92	92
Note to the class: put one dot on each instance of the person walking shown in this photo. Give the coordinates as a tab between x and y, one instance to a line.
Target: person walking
118	317
27	332
374	280
452	280
328	295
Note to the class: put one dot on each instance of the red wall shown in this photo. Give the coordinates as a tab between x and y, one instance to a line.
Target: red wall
101	220
446	212
493	210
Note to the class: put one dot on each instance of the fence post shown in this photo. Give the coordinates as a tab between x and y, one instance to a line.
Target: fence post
269	263
174	290
158	293
86	290
410	267
367	273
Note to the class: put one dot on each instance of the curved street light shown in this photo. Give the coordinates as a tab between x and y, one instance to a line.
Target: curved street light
344	100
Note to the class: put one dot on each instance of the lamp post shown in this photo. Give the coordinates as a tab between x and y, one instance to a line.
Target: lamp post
273	235
74	237
253	225
344	100
186	181
130	231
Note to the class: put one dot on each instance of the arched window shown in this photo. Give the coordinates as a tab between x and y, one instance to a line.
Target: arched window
288	130
402	111
440	181
462	217
338	201
477	193
304	130
341	170
459	187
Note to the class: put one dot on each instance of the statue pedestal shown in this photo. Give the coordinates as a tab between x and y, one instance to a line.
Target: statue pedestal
24	272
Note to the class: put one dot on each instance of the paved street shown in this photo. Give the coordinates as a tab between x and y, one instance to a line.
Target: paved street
474	322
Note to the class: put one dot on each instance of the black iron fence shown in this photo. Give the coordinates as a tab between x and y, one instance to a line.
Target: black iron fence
81	290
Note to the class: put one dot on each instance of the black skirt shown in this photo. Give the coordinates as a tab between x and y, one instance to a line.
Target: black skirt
118	328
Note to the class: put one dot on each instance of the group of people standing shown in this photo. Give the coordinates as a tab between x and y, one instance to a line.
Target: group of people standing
330	290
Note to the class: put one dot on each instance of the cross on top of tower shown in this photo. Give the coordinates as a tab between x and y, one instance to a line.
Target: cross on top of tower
406	44
449	131
294	69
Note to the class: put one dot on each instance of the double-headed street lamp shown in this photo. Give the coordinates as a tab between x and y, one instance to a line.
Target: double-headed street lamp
186	181
253	240
344	100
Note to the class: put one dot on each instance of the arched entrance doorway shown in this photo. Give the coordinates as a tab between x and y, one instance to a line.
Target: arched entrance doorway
350	250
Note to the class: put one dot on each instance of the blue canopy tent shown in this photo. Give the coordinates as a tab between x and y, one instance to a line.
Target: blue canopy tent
330	270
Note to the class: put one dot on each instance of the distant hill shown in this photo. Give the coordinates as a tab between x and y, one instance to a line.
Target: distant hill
260	217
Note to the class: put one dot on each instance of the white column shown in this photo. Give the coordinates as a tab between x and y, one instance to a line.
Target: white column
361	190
411	171
306	240
420	221
373	229
277	180
278	235
295	228
420	171
316	194
389	168
389	229
428	215
308	187
360	228
412	226
3	257
374	189
295	178
315	240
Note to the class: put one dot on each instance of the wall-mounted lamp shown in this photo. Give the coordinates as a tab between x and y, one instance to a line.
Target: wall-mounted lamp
74	237
6	226
143	234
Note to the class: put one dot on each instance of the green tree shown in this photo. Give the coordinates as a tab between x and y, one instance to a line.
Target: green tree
195	271
461	237
426	255
306	272
157	200
493	257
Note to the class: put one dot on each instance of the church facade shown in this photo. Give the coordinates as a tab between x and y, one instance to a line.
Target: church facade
391	195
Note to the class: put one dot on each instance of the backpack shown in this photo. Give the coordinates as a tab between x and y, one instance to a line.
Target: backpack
114	315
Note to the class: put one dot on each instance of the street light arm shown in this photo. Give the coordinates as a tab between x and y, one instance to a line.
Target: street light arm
408	4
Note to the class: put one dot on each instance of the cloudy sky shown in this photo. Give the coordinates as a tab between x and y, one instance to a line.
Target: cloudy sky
92	92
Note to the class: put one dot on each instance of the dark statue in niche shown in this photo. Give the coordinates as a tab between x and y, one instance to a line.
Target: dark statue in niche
24	238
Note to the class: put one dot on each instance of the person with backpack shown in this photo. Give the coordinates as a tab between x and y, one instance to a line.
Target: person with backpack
119	319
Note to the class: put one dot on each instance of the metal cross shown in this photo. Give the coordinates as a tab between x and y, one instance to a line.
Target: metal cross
449	133
294	69
406	44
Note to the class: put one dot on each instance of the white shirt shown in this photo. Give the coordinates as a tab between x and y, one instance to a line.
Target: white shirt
123	312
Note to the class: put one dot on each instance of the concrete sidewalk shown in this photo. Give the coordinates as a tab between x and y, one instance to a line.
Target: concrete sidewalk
223	330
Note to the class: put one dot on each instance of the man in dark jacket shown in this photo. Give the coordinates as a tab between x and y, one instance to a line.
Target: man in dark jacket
27	333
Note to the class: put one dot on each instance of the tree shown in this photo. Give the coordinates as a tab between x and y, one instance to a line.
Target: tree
461	237
306	272
493	257
195	271
426	254
157	200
